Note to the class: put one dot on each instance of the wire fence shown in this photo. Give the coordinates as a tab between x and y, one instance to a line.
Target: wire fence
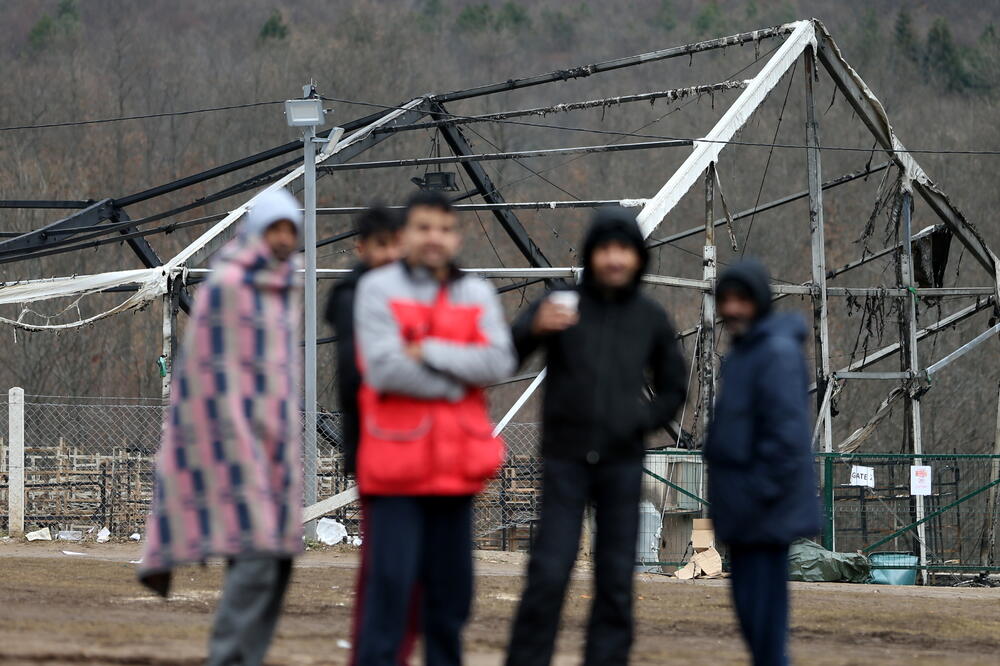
89	463
887	504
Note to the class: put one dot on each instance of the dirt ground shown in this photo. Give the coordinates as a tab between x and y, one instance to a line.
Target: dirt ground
87	609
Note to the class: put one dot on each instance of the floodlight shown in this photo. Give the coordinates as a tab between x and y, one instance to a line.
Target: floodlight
437	181
304	112
332	140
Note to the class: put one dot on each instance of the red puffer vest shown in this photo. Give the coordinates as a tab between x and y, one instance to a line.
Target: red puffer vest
412	446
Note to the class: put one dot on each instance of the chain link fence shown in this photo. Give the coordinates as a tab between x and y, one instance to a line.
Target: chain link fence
872	506
88	463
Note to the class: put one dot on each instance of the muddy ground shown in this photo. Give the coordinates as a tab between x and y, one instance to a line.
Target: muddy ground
87	609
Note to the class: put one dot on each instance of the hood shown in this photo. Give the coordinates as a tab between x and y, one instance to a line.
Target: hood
613	223
267	209
749	276
249	254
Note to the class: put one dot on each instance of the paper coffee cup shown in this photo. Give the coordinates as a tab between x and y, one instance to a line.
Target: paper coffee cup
566	299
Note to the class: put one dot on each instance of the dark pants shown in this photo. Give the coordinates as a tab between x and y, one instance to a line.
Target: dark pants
413	622
760	595
248	611
424	543
567	488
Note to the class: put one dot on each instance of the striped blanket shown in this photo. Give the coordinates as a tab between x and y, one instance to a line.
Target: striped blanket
228	472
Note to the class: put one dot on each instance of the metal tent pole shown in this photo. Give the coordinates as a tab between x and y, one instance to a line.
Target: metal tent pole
706	342
171	301
309	441
817	232
910	361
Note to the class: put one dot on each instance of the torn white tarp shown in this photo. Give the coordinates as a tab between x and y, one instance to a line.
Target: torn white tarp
31	291
707	150
25	291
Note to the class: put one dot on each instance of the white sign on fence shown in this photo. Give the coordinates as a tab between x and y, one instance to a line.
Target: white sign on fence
862	476
920	479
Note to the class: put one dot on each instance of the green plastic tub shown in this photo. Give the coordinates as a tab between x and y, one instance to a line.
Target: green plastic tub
896	575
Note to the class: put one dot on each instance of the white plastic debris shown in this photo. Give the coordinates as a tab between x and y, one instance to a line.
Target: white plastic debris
138	561
39	535
135	536
70	535
341	643
73	552
330	531
356	541
104	535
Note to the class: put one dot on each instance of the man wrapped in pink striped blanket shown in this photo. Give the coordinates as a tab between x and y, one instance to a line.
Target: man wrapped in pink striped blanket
228	472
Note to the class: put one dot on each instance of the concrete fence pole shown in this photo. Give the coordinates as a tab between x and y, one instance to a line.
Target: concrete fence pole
15	462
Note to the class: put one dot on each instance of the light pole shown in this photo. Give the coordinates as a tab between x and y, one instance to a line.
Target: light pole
308	114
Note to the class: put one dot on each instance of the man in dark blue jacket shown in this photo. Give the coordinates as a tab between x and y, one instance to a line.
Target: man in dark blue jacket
761	482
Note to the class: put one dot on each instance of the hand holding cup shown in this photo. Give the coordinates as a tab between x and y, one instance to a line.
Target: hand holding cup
557	312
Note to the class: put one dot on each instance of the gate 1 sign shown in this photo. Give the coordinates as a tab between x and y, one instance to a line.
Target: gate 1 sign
920	480
862	476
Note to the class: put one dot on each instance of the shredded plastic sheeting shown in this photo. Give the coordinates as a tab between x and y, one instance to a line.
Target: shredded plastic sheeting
32	291
911	170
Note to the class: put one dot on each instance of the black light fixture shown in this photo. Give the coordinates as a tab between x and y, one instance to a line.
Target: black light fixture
439	181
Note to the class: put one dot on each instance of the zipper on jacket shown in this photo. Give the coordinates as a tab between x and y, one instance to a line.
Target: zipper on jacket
594	452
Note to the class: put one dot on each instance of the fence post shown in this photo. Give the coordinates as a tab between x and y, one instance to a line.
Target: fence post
828	533
15	462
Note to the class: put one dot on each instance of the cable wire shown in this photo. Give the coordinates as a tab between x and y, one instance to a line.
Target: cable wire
145	116
734	142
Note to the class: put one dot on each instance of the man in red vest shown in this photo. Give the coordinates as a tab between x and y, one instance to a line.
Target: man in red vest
430	338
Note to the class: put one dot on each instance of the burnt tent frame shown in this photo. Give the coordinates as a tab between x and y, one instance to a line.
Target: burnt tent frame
808	42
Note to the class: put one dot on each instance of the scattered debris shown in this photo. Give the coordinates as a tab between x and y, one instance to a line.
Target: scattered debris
705	564
136	536
73	552
104	535
39	535
706	561
330	531
809	561
341	643
70	535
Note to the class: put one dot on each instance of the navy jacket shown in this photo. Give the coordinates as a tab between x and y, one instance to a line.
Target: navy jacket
761	477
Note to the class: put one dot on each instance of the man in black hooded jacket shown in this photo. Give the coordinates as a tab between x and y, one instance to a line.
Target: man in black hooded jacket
761	483
378	244
601	355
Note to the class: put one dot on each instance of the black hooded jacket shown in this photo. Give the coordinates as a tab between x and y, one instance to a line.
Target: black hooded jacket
340	315
761	482
595	405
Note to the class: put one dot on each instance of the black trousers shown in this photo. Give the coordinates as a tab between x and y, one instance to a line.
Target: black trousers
568	486
760	595
248	612
422	544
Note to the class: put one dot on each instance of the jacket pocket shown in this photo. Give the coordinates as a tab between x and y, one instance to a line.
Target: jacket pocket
395	446
483	454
